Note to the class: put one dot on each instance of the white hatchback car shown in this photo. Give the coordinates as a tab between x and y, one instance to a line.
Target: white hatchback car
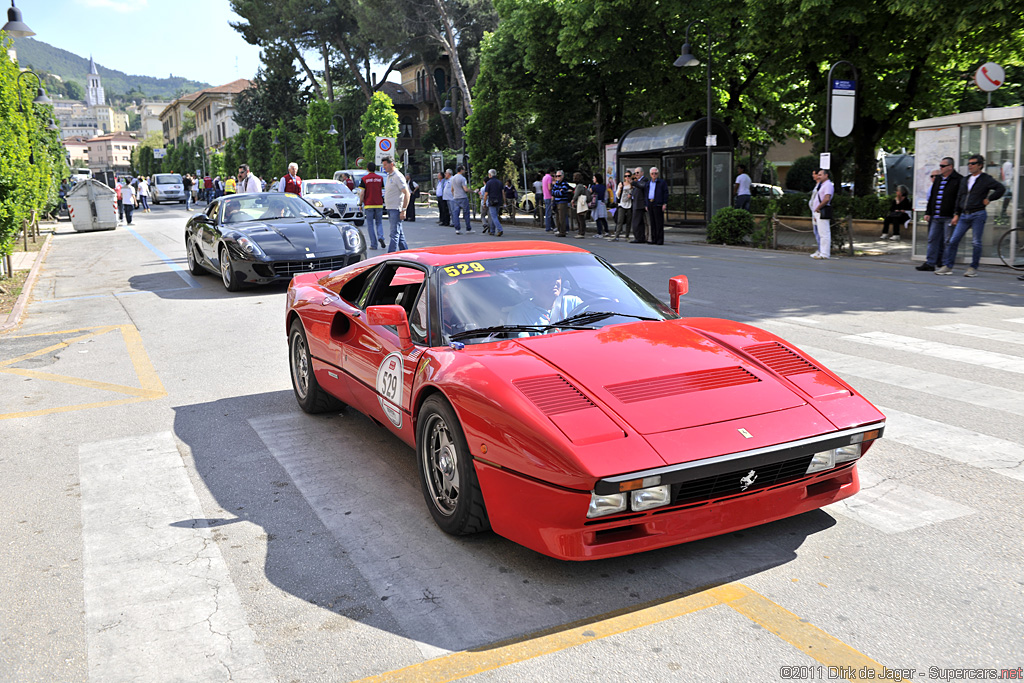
335	196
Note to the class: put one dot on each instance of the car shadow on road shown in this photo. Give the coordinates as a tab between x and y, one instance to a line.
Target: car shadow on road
170	285
346	529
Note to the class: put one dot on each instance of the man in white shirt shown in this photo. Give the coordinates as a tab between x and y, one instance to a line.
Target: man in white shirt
247	181
396	198
444	215
820	199
742	188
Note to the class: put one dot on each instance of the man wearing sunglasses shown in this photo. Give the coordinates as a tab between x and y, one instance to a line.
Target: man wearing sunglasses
941	204
976	191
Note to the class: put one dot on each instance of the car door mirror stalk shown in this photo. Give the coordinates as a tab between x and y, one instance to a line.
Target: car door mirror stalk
391	315
677	287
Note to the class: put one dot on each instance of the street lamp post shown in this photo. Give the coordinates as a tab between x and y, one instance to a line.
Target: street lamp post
40	98
344	135
687	59
15	26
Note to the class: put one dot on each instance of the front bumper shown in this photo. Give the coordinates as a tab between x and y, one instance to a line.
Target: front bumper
552	520
264	272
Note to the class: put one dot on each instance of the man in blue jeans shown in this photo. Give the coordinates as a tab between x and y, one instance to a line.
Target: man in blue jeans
493	194
460	200
976	191
396	199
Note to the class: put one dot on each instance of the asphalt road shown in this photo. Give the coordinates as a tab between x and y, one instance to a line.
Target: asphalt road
170	514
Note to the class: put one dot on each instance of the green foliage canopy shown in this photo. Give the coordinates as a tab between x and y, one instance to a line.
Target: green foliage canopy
379	120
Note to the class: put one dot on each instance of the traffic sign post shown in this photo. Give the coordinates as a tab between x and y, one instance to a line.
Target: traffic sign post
841	106
385	148
988	78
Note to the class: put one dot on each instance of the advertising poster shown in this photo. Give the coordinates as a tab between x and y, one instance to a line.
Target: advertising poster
932	145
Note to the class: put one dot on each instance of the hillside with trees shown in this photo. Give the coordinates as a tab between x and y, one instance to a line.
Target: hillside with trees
40	56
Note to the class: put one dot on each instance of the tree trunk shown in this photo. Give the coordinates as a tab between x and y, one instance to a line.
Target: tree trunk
305	67
326	51
353	66
450	45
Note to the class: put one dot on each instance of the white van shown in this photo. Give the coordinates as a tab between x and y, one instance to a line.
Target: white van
166	187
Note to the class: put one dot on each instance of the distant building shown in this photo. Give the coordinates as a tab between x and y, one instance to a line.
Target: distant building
418	98
215	111
77	148
173	116
78	118
111	152
149	116
94	95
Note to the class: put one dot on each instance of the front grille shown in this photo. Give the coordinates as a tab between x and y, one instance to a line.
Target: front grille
729	483
283	268
684	383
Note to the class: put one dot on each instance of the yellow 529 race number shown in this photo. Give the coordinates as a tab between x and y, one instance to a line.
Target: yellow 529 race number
464	268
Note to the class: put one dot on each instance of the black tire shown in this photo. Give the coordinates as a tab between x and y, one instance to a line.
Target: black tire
194	266
450	486
310	397
1012	258
227	271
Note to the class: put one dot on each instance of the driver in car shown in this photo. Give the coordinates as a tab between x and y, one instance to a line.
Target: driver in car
276	210
549	303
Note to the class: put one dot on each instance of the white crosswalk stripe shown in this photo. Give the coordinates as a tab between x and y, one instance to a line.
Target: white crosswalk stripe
956	443
893	507
922	381
160	602
924	347
994	334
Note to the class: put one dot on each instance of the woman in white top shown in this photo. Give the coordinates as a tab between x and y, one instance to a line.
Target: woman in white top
144	194
624	200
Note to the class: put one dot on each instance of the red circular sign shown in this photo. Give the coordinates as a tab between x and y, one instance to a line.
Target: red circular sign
385	145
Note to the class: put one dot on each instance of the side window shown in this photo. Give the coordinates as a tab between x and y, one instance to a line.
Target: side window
418	318
398	285
211	211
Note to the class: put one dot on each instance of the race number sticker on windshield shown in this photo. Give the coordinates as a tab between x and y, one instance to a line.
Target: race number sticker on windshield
389	387
464	269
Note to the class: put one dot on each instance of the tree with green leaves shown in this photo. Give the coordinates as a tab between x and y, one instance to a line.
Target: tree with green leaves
258	151
379	120
275	93
322	156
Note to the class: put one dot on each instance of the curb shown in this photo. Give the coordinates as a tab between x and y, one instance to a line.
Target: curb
14	317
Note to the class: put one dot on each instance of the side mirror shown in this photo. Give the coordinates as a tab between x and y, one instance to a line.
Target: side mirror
677	287
394	316
331	213
203	218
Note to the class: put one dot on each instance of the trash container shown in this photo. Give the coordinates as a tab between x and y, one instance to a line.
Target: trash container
92	206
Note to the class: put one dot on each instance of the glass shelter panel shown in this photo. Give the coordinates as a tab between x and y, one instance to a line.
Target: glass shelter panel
970	143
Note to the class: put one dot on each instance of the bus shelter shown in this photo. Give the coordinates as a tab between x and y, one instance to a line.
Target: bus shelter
678	151
995	134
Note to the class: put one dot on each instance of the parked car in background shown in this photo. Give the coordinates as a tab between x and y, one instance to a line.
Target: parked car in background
166	187
765	190
258	238
331	196
356	173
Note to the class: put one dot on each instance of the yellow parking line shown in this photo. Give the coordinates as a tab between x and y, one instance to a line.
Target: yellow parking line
804	636
751	604
150	385
88	383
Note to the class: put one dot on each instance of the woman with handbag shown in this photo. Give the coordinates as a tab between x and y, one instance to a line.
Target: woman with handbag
581	202
598	207
624	212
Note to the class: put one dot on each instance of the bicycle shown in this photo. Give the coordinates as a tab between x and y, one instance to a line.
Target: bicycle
1012	257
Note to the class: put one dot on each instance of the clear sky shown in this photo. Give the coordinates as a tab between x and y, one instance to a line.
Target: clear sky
189	38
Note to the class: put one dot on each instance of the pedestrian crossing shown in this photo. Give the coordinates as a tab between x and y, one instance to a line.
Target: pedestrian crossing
889	504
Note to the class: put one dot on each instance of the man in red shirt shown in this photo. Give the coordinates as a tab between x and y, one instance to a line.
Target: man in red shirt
208	186
291	182
371	196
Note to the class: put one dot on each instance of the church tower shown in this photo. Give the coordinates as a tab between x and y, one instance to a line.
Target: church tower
94	96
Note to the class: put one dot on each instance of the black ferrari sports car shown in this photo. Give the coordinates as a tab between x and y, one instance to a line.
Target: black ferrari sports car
253	239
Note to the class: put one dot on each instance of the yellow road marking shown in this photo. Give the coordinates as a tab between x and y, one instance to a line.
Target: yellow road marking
806	637
751	604
150	385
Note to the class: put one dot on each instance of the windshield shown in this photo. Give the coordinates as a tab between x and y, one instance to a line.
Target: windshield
327	188
538	292
167	179
264	207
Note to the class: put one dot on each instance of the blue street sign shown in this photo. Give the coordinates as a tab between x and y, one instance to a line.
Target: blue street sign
844	85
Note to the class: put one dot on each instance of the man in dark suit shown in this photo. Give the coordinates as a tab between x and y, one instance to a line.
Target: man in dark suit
657	202
939	213
976	191
639	206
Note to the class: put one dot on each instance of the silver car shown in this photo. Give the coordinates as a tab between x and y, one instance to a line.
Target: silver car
334	196
166	187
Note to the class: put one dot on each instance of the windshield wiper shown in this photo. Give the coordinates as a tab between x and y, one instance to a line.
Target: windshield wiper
485	331
588	317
